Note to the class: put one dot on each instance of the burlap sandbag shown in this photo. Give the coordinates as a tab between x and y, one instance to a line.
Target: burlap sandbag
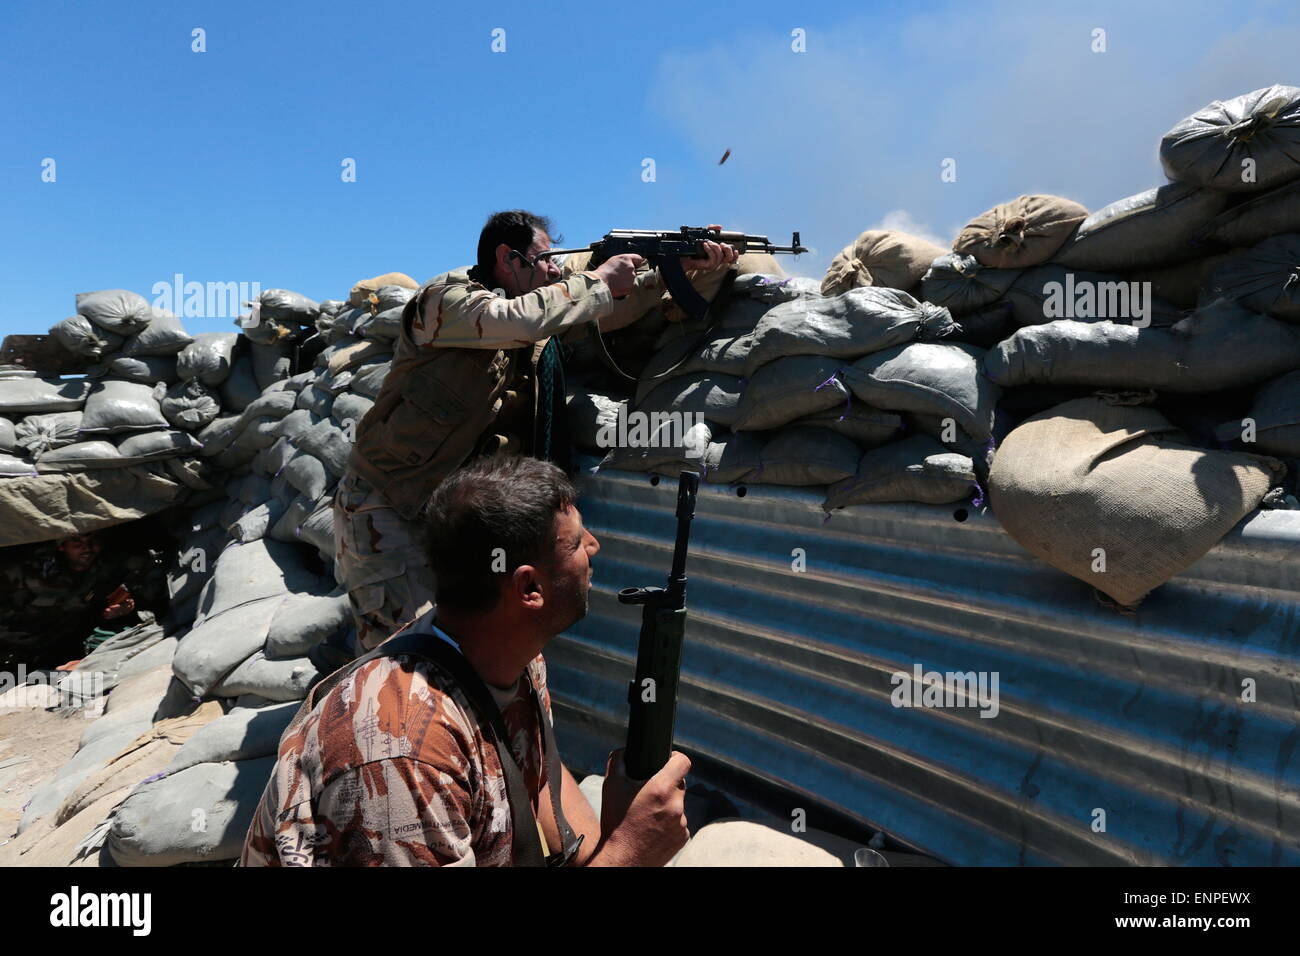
880	257
1024	232
1246	144
1089	475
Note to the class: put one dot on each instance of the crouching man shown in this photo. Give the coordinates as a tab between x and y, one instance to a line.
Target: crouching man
436	748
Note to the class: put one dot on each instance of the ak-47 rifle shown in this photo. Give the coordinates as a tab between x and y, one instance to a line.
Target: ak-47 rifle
652	695
663	249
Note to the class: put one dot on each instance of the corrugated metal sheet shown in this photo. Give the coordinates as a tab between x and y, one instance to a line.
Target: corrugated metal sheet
787	678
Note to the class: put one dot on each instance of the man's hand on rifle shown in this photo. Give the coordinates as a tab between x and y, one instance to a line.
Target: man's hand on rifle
642	822
716	255
619	272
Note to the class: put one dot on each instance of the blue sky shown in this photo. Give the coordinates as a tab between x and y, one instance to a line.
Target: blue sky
225	165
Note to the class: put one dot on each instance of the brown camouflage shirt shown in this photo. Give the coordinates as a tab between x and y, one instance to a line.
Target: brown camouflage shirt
392	768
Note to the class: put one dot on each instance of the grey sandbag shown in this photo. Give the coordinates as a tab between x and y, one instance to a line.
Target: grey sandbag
115	406
592	416
317	529
117	310
930	378
392	297
286	529
1153	228
733	458
1183	285
146	370
915	469
1024	232
256	522
1246	144
236	458
278	455
8	435
273	680
86	454
296	383
387	325
253	571
1222	345
217	435
773	288
217	644
240	388
716	397
1268	214
306	473
297	422
1266	278
271	363
1274	417
245	733
1113	494
192	473
154	826
350	408
866	426
84	338
304	620
317	399
327	443
275	405
671	449
961	284
251	489
190	405
281	305
166	443
11	466
1051	292
790	388
164	335
207	358
368	379
801	456
37	434
726	349
256	435
23	395
855	323
193	562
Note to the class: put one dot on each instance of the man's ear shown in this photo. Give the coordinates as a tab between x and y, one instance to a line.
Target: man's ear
527	587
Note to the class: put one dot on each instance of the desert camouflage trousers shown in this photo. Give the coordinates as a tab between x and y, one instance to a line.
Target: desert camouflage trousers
380	560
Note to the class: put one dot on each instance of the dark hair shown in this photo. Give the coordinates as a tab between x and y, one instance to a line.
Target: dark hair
516	228
502	501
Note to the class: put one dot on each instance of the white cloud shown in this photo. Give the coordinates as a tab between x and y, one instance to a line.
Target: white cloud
900	220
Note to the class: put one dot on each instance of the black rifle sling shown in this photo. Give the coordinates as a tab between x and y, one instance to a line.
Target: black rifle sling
527	844
704	308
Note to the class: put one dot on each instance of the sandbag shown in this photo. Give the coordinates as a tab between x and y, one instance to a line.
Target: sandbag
913	469
368	379
715	397
670	451
149	370
352	355
297	422
709	284
12	466
47	507
317	399
271	364
856	323
866	426
23	395
166	443
193	562
1270	213
987	326
1153	228
960	284
37	434
256	434
1275	413
1113	495
589	413
164	335
217	435
286	529
115	406
880	257
1183	285
251	572
236	458
84	338
348	408
217	644
929	378
725	350
733	458
389	297
192	473
273	680
360	294
278	455
327	443
82	454
1266	278
387	325
155	825
207	358
317	529
790	388
190	405
1222	345
775	288
274	404
117	310
1024	232
1246	144
306	473
801	456
240	387
1050	292
245	733
8	435
281	305
304	620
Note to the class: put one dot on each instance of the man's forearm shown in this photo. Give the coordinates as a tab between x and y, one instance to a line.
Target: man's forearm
577	811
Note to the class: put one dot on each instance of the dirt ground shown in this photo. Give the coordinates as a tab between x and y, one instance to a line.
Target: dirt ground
34	743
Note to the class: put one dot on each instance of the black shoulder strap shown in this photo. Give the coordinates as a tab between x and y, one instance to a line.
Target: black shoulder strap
527	845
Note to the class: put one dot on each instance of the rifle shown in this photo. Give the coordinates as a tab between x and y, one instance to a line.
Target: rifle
663	249
652	695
